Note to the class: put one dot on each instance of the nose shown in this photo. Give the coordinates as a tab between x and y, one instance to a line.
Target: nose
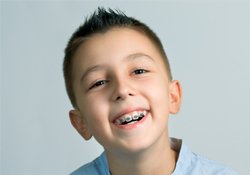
122	90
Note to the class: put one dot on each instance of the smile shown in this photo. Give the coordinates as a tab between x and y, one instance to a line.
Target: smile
131	118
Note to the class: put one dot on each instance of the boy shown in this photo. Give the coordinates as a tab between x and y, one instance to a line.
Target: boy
119	82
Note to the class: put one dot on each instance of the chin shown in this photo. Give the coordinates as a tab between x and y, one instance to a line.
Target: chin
137	146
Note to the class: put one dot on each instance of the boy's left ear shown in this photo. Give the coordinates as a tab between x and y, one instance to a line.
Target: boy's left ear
175	96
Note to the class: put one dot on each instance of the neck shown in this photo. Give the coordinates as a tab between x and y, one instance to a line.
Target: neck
158	159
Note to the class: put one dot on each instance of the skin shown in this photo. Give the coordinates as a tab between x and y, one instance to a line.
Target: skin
118	72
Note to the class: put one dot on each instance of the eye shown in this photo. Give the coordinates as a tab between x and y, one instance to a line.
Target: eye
140	71
98	83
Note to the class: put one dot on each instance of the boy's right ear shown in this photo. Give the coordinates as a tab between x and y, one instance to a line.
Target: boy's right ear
80	124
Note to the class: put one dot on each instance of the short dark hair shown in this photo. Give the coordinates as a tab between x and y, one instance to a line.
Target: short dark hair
101	21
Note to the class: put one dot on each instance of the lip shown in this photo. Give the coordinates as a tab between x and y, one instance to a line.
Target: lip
126	111
133	125
130	110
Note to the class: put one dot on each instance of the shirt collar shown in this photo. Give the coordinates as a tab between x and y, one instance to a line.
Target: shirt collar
184	158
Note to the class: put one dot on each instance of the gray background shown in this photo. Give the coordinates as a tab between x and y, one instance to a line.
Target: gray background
208	47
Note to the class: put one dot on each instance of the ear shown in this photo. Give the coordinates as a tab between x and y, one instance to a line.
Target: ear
175	96
79	124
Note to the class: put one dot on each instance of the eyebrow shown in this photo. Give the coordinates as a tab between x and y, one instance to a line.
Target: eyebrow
138	55
128	58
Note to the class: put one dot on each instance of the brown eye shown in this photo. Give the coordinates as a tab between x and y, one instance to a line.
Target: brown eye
140	71
98	83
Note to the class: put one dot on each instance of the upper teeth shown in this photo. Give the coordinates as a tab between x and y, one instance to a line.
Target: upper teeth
129	117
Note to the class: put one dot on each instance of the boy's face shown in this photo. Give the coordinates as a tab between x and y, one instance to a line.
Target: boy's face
120	76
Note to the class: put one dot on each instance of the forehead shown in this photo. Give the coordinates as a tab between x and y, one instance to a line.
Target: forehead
113	45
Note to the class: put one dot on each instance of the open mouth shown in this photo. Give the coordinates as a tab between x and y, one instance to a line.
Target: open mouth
130	118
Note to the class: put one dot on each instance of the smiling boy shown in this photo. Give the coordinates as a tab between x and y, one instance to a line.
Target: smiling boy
119	82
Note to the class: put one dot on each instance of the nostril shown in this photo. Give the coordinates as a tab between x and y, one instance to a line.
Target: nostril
118	98
121	97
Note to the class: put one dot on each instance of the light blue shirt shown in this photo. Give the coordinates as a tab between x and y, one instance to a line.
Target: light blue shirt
188	163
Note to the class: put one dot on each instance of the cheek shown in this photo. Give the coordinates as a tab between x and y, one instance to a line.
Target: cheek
157	89
157	94
96	113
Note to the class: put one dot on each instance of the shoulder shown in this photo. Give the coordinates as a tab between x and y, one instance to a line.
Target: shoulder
86	169
96	167
191	163
206	166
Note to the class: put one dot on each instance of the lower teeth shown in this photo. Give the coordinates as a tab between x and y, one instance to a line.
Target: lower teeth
131	122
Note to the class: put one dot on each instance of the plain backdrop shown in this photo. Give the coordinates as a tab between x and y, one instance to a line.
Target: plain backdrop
208	44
